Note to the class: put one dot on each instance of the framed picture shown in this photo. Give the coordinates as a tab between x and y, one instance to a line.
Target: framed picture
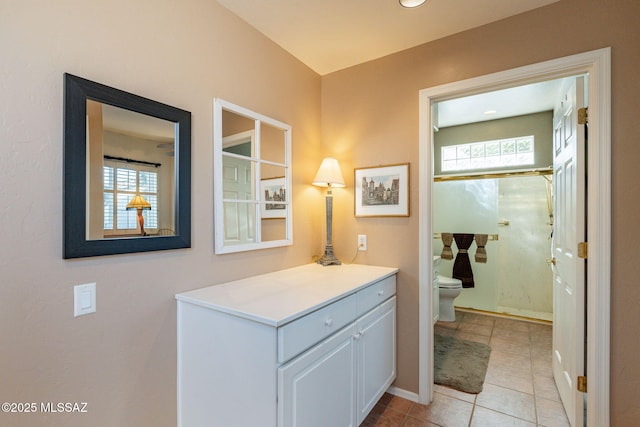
275	195
382	191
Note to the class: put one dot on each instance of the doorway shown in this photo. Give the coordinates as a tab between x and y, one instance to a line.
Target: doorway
596	65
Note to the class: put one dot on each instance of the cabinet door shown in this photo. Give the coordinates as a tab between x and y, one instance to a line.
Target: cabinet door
376	355
317	388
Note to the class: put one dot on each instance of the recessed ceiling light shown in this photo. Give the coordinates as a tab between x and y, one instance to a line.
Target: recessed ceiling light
490	112
412	3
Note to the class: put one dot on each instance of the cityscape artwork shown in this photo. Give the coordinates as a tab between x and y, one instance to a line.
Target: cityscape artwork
382	191
274	193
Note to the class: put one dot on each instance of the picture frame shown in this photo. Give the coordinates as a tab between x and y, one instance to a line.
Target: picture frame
382	191
273	191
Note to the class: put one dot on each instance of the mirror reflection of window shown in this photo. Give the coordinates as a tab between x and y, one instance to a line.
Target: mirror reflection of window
128	154
122	183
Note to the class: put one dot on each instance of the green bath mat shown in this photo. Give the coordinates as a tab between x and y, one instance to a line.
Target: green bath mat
460	364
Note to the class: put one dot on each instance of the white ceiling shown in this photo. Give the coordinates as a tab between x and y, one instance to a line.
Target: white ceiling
517	101
120	120
329	35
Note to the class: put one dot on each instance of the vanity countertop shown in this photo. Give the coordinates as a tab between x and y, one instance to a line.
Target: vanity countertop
282	296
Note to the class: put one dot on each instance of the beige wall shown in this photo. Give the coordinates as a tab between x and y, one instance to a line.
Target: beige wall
370	117
540	125
122	359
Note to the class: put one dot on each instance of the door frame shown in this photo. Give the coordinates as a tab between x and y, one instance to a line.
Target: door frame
597	64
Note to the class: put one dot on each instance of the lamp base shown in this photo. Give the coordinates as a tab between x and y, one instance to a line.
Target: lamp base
328	258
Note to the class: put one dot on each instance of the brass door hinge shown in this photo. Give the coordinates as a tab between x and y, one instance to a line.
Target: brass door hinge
582	384
583	250
583	116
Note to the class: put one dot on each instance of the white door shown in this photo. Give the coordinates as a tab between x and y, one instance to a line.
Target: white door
239	217
303	400
569	269
376	350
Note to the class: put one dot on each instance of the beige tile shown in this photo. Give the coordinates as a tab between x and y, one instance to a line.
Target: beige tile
479	319
542	366
520	364
542	329
451	392
551	413
470	336
510	402
476	328
540	344
541	349
519	379
483	417
399	404
506	359
447	325
545	387
414	422
513	336
444	410
443	330
540	335
504	344
387	417
460	315
502	324
385	399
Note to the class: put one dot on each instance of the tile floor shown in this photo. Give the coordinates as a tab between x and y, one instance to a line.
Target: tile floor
518	390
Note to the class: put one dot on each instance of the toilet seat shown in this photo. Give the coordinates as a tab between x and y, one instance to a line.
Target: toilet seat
449	283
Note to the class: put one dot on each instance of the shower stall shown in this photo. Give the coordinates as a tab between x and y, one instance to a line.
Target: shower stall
515	210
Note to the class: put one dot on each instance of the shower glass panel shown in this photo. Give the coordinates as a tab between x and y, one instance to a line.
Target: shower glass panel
469	206
516	278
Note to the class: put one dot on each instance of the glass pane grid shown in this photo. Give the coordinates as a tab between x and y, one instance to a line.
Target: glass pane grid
448	153
488	154
107	177
108	211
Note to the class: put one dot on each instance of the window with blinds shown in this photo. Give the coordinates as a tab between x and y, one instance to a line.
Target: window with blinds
121	183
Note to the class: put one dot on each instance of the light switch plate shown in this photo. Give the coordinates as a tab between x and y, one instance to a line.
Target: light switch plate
84	299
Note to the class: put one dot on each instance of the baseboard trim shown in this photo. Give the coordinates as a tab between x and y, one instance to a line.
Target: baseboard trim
504	315
409	395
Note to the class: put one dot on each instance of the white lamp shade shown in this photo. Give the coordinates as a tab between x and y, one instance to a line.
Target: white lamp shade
329	174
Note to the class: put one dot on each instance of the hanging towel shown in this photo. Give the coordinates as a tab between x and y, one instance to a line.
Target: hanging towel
481	252
447	240
462	265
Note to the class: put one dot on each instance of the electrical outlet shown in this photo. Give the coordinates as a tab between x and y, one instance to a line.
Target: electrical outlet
362	242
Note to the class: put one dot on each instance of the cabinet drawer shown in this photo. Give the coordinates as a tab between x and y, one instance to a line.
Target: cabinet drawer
376	294
303	333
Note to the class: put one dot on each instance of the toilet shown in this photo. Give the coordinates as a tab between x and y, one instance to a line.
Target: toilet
449	290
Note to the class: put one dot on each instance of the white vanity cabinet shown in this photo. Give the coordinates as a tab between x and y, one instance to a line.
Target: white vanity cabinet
307	346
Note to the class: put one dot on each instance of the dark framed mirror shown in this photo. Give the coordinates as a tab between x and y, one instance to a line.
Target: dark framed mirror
127	172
